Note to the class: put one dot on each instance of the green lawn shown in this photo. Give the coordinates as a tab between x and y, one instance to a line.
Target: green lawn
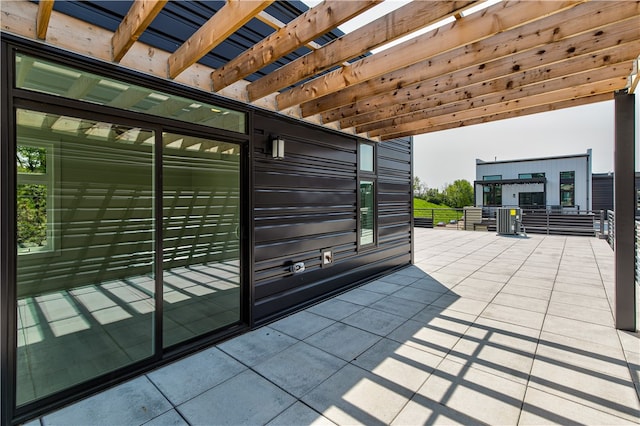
441	213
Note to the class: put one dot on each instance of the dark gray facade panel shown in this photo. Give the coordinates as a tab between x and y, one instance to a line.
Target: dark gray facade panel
307	203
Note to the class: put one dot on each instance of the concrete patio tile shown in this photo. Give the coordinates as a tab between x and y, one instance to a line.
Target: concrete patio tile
343	341
526	291
600	391
542	408
382	287
299	368
531	282
412	271
514	316
429	284
245	399
582	354
400	279
359	296
133	402
355	396
424	411
471	292
461	304
454	320
630	341
335	309
474	393
302	324
374	321
491	276
579	300
170	418
581	313
437	336
505	350
583	290
183	379
581	330
401	364
418	295
521	302
257	345
633	362
448	280
402	307
300	414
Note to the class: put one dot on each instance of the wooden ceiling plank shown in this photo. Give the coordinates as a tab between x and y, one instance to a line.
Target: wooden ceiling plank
396	24
276	24
45	7
621	71
232	16
306	27
605	86
478	26
582	18
138	18
463	85
603	97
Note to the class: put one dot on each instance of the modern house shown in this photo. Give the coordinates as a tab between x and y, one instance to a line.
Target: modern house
173	173
562	182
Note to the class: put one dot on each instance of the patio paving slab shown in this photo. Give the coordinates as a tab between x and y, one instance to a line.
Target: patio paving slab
343	341
245	399
257	345
300	414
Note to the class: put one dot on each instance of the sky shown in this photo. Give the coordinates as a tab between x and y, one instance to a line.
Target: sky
442	157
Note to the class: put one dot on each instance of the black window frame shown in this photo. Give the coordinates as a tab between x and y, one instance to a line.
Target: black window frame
367	176
571	182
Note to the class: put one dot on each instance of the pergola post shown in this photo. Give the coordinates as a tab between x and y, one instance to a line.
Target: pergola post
624	210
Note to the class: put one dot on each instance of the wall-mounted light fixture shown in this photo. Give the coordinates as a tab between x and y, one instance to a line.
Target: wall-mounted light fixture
277	148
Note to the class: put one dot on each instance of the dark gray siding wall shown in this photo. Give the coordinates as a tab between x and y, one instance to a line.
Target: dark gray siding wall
307	203
602	189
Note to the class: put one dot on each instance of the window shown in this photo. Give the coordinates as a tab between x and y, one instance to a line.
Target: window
367	212
492	195
530	175
567	188
35	197
531	199
367	216
492	177
55	79
367	158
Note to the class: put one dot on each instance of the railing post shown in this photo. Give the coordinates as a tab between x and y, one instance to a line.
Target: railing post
601	223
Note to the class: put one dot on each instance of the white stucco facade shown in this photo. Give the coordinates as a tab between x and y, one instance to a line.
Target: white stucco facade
538	179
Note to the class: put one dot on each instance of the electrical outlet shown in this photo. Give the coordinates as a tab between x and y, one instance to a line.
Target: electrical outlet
327	257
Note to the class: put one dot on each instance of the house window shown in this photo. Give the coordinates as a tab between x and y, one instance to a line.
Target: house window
367	158
492	177
530	175
567	188
492	195
531	199
35	197
367	212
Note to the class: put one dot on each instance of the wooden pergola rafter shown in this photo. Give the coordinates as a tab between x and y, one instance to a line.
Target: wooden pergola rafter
510	59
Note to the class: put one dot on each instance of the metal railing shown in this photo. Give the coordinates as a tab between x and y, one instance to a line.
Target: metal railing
611	228
637	257
449	218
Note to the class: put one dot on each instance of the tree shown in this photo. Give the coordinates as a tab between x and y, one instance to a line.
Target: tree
459	194
419	188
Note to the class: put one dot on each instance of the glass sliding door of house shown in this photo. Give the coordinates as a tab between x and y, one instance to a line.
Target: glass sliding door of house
85	250
201	236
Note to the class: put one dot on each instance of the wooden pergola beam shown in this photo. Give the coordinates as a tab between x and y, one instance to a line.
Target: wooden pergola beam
591	52
473	28
45	7
603	97
400	22
232	16
474	100
306	27
140	15
606	86
583	18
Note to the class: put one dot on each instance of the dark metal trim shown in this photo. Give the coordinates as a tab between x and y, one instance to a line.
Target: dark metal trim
510	181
